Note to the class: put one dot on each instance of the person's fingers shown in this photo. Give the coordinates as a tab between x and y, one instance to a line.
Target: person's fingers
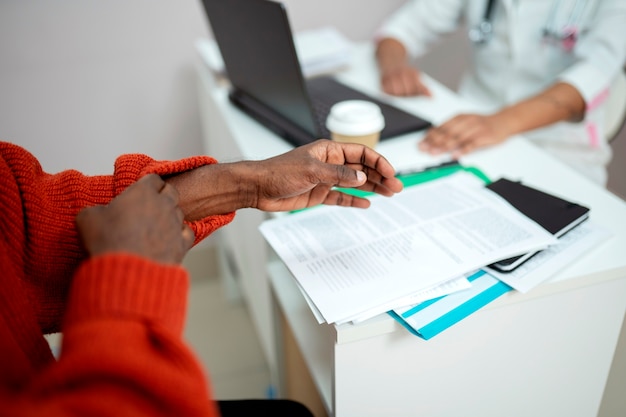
188	237
394	86
404	82
466	148
425	91
470	140
449	135
354	154
345	176
434	141
180	215
85	216
479	141
408	83
171	193
376	182
474	131
152	181
337	198
419	87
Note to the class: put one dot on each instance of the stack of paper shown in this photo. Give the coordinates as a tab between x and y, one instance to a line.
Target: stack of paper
420	256
351	263
429	318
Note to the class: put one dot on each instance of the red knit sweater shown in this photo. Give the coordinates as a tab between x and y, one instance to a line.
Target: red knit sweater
121	315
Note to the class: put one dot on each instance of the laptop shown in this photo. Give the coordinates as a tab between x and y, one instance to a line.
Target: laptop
256	43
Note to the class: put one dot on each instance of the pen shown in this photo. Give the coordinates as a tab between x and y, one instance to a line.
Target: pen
450	163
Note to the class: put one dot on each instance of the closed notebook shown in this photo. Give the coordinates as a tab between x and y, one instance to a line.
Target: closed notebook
556	215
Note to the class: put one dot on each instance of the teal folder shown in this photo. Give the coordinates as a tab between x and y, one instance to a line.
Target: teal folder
451	309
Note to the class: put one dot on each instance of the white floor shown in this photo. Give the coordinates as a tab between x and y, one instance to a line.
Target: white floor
222	335
221	332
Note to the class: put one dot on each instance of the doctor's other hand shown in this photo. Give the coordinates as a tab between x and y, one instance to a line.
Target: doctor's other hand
397	76
307	176
404	81
144	220
463	134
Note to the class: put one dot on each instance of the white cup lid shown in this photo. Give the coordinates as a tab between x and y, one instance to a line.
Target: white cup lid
355	117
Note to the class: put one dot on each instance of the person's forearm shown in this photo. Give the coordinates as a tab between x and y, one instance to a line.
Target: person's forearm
215	189
560	102
390	55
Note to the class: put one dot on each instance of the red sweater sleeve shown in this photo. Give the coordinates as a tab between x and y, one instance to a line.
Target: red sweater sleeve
123	352
39	211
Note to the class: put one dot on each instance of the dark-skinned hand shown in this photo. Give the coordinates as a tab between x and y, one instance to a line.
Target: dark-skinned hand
307	175
144	220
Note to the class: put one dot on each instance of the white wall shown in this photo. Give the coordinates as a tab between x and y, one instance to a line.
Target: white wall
82	81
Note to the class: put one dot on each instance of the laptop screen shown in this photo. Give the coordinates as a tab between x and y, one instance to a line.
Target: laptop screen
253	37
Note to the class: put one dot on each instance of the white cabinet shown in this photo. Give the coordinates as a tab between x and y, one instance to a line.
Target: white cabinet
242	253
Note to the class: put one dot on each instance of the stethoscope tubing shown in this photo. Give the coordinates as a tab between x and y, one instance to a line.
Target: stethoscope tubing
566	35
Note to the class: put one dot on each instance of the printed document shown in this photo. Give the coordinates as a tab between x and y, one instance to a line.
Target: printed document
541	267
350	261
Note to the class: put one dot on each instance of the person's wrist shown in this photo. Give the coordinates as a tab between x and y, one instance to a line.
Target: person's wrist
216	189
247	180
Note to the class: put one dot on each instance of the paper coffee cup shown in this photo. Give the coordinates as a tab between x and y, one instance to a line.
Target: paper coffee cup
355	121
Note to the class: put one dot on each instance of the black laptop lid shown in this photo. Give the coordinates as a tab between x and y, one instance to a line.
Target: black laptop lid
253	36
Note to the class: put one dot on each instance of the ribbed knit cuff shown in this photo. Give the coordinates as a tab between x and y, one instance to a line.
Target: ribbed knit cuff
129	168
129	287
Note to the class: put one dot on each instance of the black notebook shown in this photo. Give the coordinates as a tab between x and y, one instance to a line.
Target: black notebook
256	43
556	215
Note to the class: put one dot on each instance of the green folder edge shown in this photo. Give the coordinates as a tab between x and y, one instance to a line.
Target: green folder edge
417	178
424	176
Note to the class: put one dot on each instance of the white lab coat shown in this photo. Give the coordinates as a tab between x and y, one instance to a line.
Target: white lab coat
519	62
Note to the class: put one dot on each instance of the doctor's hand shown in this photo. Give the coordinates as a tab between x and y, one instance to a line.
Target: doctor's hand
306	176
404	81
463	134
398	77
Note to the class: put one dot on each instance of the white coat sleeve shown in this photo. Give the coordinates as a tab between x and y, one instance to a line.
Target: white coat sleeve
419	23
600	52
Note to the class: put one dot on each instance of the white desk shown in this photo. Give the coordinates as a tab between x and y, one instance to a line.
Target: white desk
545	353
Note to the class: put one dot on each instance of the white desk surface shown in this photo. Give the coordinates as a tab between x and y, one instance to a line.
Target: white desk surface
515	159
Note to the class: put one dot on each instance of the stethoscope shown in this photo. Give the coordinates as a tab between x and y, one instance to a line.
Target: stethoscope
483	32
564	35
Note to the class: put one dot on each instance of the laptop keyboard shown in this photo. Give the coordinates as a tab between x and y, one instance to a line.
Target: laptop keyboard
321	109
324	92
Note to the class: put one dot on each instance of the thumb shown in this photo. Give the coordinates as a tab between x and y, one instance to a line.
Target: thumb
348	177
